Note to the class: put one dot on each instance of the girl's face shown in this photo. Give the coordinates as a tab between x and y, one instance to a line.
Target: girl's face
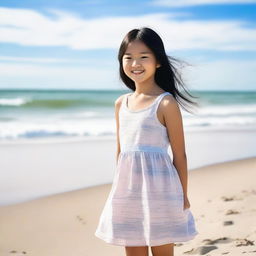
139	62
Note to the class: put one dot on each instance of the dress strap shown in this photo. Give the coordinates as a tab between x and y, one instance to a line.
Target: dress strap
124	100
153	105
158	100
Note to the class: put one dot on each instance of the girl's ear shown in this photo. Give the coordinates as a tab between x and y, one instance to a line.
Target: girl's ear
158	65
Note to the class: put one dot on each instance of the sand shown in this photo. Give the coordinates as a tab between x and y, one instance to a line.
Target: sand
42	167
64	224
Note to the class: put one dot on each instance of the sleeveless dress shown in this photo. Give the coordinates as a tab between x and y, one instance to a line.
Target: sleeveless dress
145	204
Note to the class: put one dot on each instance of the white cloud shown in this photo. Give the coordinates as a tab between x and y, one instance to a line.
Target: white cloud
222	74
33	60
31	28
203	75
36	76
87	61
183	3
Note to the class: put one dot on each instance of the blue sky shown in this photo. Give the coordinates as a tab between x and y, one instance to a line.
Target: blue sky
74	44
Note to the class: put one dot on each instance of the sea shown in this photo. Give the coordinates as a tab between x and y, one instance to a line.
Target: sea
36	114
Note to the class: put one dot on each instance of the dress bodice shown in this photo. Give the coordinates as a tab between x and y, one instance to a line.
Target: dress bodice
141	129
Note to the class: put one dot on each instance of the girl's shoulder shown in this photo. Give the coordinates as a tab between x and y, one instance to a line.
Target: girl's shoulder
169	107
168	99
168	102
119	100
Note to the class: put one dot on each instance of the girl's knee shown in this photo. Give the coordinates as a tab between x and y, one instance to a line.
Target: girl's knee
136	250
163	250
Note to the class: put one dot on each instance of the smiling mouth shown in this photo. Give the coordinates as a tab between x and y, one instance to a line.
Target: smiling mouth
137	72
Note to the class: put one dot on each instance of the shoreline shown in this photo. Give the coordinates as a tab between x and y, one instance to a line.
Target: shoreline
33	169
72	139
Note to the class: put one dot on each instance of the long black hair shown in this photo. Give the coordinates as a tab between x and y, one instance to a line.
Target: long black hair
166	76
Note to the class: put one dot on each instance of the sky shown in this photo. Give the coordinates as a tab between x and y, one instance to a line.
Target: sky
64	44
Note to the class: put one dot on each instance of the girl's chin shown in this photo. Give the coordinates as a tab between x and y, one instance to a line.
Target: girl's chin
137	77
138	80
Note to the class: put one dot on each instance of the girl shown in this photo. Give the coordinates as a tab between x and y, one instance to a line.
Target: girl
148	203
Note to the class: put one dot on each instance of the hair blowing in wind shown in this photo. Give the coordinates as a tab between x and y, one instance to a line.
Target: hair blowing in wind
167	75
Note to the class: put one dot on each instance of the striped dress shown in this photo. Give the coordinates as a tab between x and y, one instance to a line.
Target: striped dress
145	204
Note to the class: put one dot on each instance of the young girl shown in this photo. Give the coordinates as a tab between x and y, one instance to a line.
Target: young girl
148	203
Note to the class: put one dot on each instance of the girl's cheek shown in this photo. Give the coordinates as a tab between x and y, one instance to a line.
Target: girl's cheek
125	64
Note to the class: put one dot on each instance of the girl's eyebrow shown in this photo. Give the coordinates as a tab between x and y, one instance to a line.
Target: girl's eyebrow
127	53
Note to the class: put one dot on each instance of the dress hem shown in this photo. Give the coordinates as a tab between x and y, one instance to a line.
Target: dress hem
122	242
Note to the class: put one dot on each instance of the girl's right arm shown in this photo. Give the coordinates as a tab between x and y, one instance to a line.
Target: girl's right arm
118	103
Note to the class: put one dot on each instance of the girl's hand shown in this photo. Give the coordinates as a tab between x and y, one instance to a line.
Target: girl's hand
186	203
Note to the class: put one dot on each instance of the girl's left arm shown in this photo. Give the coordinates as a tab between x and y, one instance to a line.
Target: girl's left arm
174	125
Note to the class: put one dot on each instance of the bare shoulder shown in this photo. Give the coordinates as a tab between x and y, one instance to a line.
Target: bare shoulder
119	100
169	103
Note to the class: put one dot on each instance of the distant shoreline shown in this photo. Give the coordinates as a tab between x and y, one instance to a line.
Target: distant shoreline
35	168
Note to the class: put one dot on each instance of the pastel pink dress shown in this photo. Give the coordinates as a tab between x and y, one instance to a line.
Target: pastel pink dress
145	204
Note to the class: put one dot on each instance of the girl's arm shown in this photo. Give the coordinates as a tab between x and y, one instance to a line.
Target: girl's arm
174	125
117	107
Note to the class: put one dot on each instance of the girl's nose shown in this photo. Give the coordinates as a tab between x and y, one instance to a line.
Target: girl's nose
135	63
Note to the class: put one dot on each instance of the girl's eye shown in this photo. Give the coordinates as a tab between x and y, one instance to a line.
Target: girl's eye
128	58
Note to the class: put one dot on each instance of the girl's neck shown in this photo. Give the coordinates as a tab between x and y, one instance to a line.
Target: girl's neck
153	89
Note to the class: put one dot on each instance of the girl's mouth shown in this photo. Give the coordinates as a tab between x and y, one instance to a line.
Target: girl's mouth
137	72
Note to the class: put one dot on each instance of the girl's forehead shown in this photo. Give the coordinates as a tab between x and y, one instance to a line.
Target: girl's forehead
137	47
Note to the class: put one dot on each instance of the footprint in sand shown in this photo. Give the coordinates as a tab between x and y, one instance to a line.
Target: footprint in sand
231	198
210	245
253	192
81	219
228	222
201	250
230	211
245	193
221	240
244	242
13	251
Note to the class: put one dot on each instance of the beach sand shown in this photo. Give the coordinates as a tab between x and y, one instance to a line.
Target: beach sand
222	198
34	168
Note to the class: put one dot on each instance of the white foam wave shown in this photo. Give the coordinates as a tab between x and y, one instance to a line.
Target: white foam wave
13	102
225	110
54	127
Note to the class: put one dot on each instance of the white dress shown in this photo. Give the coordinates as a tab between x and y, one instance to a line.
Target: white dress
145	204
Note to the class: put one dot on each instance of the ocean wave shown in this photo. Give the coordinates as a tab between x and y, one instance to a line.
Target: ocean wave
13	102
34	114
53	103
227	110
222	110
53	127
56	128
219	121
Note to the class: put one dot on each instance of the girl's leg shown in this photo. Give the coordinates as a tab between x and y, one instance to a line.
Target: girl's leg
163	250
136	251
